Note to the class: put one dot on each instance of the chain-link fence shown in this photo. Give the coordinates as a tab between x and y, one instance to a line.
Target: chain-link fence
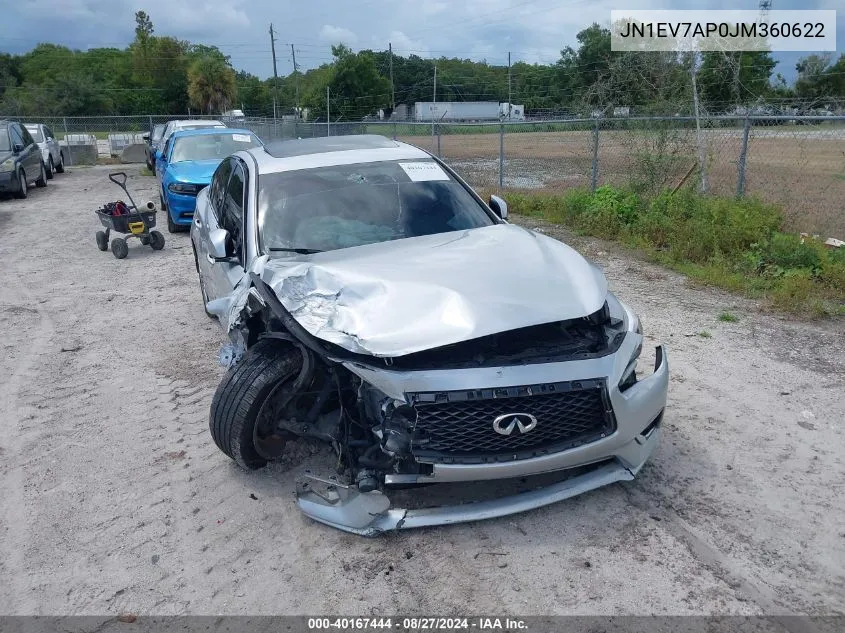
795	162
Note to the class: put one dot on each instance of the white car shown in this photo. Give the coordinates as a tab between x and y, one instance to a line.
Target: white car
52	154
375	302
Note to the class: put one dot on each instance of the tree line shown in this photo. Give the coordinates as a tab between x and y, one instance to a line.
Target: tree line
159	74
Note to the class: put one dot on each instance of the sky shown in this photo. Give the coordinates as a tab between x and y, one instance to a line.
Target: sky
532	30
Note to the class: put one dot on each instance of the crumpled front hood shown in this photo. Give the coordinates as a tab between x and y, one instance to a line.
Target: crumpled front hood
405	296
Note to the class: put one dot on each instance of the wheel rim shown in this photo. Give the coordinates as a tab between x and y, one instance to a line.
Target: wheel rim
267	441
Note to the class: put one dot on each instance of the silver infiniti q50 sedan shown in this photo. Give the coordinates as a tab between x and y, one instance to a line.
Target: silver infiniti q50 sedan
374	301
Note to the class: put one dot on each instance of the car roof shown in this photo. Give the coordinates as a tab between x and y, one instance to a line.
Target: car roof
31	125
310	153
179	122
211	130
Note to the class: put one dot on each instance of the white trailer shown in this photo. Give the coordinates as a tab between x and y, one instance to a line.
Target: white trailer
456	111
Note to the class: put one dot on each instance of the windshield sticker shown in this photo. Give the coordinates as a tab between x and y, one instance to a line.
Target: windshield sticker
423	172
241	138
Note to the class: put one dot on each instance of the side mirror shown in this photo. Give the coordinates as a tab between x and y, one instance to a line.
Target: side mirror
220	245
18	148
499	206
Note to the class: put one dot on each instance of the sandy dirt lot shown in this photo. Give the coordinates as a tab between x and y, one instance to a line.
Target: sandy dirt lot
115	499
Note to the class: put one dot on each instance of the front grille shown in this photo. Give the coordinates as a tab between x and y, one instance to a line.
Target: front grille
457	426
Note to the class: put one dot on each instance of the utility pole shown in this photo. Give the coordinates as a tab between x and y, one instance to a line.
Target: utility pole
328	115
434	100
392	91
509	86
296	77
275	73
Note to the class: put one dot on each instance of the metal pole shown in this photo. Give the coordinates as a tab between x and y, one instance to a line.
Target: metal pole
296	77
501	154
702	152
509	86
67	140
275	81
594	179
328	115
392	89
743	156
434	100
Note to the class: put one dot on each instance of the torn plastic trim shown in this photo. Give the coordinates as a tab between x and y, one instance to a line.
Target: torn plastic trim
369	513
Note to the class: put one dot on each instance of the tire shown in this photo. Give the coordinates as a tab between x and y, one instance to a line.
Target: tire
60	168
50	169
172	227
102	241
42	177
156	240
242	393
144	240
22	191
163	202
119	248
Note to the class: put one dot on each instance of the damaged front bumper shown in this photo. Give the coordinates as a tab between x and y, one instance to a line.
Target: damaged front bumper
616	458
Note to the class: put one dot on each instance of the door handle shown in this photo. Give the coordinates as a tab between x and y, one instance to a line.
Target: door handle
210	258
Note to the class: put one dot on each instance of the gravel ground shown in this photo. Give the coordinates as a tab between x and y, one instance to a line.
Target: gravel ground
115	499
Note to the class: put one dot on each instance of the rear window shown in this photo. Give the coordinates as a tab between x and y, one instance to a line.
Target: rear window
5	143
36	132
211	146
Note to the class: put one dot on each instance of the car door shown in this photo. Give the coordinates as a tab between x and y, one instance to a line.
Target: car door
52	144
206	220
24	155
224	276
32	153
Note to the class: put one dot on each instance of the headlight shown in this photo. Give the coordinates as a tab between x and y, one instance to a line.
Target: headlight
8	165
183	187
629	376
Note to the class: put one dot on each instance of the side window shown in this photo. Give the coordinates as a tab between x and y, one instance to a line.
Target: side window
17	139
233	207
48	132
27	137
218	186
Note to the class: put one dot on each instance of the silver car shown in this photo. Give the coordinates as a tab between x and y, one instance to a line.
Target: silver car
52	154
375	302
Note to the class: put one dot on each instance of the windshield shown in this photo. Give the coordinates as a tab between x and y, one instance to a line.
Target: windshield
36	133
211	146
342	206
158	130
5	143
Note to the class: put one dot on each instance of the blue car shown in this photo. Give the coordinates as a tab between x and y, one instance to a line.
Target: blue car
186	165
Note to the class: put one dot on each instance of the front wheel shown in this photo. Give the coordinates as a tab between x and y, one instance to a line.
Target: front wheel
42	177
50	169
60	168
119	248
156	240
22	191
249	400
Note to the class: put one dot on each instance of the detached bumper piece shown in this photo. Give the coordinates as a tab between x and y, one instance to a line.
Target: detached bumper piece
369	513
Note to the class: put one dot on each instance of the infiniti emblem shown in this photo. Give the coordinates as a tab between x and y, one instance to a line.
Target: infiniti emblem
507	423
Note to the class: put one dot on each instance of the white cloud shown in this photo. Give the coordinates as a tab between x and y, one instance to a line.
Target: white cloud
337	35
404	45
